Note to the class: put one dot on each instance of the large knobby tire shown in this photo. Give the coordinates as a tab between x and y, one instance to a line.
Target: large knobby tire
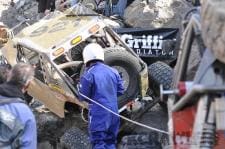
160	73
129	67
139	141
213	28
74	138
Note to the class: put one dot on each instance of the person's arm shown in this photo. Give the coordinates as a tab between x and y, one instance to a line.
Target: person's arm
120	86
85	88
29	137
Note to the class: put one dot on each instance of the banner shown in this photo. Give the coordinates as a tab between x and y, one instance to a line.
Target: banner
151	43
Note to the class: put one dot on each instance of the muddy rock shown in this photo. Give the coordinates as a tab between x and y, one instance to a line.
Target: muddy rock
156	13
47	123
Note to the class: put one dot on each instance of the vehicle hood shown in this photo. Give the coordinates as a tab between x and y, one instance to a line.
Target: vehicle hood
56	29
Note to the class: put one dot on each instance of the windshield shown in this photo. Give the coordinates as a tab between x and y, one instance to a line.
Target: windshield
80	10
76	10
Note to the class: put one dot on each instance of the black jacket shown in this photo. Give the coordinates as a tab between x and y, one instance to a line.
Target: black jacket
45	4
10	90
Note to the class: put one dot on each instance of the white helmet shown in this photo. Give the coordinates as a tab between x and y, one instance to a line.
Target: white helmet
93	51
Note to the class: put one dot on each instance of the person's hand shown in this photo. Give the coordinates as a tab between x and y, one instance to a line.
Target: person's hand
47	11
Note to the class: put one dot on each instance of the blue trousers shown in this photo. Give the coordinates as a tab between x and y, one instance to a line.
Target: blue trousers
117	9
103	130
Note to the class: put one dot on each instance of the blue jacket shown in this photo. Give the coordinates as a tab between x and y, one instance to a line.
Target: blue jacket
102	84
22	112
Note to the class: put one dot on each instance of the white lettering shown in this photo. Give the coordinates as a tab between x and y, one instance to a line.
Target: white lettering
143	42
130	43
171	53
149	41
155	42
138	52
156	52
160	42
150	52
136	43
128	40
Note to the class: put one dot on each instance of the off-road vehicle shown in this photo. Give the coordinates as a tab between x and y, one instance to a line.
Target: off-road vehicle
55	43
196	102
54	46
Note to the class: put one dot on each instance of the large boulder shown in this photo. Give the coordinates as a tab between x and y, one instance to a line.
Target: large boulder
21	9
156	13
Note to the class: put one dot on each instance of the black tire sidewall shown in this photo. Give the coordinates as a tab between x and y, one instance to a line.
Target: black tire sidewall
122	58
160	73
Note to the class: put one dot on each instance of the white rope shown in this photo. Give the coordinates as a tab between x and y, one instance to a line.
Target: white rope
82	115
123	117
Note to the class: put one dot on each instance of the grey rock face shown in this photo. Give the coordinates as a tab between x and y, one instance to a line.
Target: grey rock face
157	13
12	15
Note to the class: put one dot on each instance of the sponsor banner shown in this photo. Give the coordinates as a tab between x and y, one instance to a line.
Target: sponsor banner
158	43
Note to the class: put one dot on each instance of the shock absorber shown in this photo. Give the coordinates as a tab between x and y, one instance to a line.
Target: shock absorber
203	133
208	137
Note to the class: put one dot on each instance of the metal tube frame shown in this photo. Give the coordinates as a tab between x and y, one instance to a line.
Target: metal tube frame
197	90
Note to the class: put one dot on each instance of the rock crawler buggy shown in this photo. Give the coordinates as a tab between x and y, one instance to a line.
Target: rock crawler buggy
196	102
54	45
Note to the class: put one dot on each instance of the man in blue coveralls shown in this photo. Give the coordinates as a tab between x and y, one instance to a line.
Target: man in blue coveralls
102	84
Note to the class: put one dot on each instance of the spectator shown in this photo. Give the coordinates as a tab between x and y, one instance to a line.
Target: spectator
23	133
62	5
4	70
102	84
118	8
3	34
45	7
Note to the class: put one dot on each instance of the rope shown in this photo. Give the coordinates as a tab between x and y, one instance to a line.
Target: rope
123	117
82	115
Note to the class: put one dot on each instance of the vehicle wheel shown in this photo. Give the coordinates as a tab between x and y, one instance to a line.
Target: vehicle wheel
91	4
74	138
129	67
213	31
160	73
47	123
139	141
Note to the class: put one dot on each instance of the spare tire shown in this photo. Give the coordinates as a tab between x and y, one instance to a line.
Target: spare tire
129	67
213	30
160	73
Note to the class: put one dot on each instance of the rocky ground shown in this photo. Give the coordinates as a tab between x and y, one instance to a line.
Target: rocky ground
14	14
49	138
156	13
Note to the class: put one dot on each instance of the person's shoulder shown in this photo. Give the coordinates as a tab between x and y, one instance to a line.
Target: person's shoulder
88	74
23	109
114	70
